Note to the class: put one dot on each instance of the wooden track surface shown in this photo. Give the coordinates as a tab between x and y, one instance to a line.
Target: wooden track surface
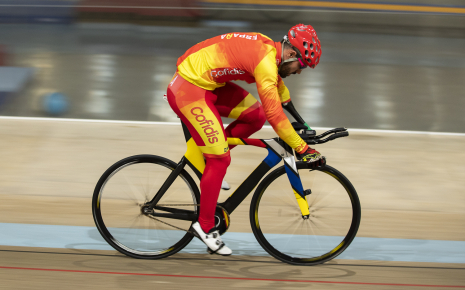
104	270
410	186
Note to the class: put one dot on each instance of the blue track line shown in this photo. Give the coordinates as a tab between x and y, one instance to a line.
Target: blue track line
379	249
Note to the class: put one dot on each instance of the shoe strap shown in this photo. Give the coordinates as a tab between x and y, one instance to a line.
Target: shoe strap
219	248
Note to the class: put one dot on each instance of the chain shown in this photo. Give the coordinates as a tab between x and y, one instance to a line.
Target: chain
170	225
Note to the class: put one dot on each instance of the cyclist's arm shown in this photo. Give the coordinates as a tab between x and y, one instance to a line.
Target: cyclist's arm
286	101
266	77
283	92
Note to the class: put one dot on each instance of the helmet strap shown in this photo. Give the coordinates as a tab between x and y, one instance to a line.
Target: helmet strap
285	39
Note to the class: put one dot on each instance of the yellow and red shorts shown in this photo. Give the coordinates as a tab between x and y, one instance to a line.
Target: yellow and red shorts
201	111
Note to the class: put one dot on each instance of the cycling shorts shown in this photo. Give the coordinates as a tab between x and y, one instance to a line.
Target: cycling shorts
201	111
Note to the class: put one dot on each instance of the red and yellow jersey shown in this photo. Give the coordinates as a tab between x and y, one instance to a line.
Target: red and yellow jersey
250	57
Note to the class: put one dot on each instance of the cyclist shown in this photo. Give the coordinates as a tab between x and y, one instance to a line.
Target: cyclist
201	92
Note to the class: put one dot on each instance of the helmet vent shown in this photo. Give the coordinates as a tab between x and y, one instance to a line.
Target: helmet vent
313	38
306	45
311	46
292	33
306	53
312	54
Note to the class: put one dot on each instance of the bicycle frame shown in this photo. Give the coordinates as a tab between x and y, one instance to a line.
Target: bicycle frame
277	150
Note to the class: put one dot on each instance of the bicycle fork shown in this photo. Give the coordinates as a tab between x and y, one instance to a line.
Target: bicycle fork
294	178
287	154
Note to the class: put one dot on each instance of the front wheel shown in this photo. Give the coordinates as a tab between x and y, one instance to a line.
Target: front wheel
119	201
280	228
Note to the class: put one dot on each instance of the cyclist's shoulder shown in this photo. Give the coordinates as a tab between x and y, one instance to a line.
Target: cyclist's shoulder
251	47
244	38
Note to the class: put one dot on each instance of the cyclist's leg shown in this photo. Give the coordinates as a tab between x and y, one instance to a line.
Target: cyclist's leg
236	103
195	107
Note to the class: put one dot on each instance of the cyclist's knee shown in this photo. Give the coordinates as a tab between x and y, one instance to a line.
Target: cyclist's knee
258	119
261	118
227	160
219	162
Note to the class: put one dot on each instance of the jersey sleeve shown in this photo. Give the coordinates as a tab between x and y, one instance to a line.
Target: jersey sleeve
283	92
266	76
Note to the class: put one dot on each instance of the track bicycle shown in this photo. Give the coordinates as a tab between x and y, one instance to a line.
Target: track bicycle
144	205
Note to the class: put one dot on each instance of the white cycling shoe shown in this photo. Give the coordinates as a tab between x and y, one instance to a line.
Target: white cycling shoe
212	240
225	185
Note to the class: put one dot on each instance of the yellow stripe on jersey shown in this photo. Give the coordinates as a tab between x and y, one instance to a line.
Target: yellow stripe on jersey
196	67
235	141
283	92
246	103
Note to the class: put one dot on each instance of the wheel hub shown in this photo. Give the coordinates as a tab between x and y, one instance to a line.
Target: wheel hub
145	210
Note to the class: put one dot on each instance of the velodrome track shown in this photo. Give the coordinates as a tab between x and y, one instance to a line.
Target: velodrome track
410	183
410	186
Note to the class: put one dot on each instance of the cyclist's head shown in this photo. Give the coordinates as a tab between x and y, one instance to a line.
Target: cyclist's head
289	64
305	42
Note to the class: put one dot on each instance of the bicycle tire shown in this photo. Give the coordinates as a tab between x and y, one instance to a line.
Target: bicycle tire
326	233
120	220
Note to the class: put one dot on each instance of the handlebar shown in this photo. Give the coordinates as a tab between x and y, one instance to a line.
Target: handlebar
309	135
335	130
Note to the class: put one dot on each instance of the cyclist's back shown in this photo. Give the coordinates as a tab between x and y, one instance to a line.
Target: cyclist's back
232	56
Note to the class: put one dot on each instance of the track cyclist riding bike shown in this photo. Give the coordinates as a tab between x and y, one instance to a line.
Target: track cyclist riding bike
201	92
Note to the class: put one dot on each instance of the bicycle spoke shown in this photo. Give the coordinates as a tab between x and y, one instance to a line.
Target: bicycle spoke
289	199
132	188
123	194
294	239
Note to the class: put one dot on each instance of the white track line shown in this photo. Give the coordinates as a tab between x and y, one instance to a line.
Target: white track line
177	124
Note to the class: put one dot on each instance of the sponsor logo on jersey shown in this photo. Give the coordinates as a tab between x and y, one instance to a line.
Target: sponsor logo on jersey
246	36
219	72
205	125
172	82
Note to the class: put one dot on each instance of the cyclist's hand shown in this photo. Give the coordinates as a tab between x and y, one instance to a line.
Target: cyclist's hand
312	157
298	126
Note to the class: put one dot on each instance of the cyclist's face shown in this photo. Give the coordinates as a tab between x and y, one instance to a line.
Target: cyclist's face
289	68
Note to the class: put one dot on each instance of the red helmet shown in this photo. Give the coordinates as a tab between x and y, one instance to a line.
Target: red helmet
304	39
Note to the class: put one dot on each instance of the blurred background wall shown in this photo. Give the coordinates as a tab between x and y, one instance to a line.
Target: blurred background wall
385	64
374	14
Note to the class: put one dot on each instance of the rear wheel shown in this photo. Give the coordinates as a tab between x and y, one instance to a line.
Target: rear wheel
280	228
119	201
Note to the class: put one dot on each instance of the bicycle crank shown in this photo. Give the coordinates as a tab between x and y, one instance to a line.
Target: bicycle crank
222	219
